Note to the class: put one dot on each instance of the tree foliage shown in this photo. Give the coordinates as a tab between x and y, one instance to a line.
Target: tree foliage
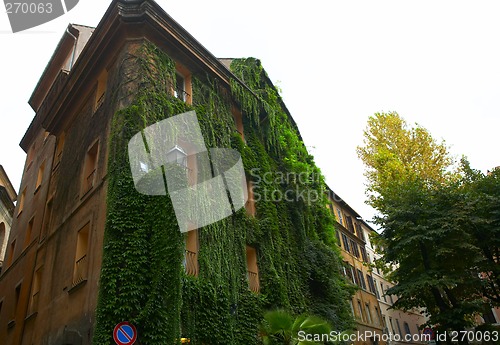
440	222
281	328
394	152
481	195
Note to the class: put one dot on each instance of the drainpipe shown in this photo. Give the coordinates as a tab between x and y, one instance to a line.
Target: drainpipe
74	49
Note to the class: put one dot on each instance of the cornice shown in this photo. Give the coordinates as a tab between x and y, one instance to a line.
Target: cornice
124	20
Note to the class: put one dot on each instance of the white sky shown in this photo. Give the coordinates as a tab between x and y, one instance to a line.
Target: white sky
434	62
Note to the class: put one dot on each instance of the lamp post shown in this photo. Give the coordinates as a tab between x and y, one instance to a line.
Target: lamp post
177	155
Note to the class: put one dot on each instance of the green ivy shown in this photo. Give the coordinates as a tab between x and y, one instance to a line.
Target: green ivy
143	279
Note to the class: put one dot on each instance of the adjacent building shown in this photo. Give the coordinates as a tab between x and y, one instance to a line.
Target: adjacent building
370	305
405	326
352	240
7	198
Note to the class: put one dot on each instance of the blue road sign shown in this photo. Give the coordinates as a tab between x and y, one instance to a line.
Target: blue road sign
125	333
429	332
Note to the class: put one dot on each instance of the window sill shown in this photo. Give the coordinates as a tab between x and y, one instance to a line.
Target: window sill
98	103
11	324
86	192
77	286
31	316
56	165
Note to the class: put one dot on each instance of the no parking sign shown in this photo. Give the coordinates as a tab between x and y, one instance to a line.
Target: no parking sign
125	333
429	334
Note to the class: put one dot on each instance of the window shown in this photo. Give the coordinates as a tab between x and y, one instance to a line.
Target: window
238	121
80	267
407	328
16	301
368	313
356	277
48	218
339	214
371	284
359	231
17	295
375	286
362	282
191	253
250	204
29	231
33	306
90	167
392	326
399	328
11	253
352	275
350	225
252	269
377	314
489	317
383	292
21	202
352	307
363	254
31	154
343	270
337	235
39	178
354	248
180	87
360	311
100	90
345	240
59	149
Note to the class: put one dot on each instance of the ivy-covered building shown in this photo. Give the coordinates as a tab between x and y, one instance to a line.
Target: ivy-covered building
89	251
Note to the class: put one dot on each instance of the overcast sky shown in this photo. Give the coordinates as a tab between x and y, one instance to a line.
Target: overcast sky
436	63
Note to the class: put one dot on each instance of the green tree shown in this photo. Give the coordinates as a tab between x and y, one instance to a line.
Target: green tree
481	193
435	259
394	152
427	207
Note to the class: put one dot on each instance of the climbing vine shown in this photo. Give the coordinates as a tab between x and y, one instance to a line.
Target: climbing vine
142	277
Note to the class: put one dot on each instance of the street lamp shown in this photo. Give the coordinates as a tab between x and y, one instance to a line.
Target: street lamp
177	155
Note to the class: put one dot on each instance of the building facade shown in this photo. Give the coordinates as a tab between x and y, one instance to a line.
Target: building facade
7	198
352	241
405	327
89	251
